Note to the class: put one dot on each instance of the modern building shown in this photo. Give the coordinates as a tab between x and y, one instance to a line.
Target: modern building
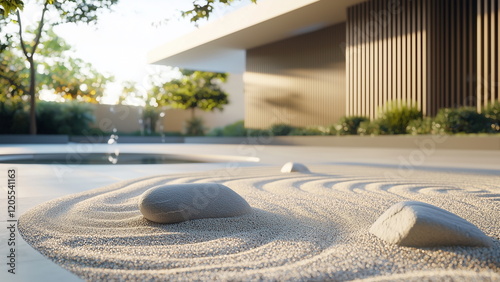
309	62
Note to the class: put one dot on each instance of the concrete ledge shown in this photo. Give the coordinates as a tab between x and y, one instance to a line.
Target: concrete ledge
264	140
461	142
127	139
470	142
33	139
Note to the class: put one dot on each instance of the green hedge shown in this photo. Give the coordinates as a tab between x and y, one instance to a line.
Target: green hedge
71	118
461	120
14	118
349	125
397	118
492	112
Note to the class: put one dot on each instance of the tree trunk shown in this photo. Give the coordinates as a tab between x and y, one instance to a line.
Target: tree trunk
32	96
29	56
192	113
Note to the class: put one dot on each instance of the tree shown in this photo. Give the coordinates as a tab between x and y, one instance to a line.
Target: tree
68	11
195	89
203	11
57	71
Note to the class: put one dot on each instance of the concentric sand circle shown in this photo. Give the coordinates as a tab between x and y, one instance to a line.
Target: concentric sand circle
310	226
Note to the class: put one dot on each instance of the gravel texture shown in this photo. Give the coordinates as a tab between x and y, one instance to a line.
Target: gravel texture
312	226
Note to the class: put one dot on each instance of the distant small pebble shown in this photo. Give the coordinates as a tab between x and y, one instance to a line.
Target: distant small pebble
417	224
181	202
294	167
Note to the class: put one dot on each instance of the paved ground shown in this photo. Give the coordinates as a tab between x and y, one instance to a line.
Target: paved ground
39	183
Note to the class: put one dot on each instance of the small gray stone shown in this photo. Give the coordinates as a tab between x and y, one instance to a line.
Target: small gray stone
294	167
417	224
180	202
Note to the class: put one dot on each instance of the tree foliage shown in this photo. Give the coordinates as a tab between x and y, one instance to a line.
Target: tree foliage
10	6
202	9
195	89
57	71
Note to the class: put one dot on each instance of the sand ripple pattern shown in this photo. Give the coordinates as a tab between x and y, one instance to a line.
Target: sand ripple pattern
304	227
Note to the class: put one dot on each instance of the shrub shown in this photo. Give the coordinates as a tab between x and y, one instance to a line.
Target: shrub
281	129
420	126
150	117
396	117
235	129
492	111
307	131
461	120
48	117
216	132
14	116
72	118
194	127
238	129
369	128
259	132
349	125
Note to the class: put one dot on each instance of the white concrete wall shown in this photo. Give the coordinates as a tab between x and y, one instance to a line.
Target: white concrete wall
174	119
126	118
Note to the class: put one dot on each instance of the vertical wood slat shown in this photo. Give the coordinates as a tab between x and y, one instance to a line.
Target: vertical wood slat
368	59
419	32
493	52
348	63
479	54
472	86
398	55
362	61
356	63
464	61
394	56
376	58
385	27
413	51
403	33
381	73
490	61
372	61
425	72
497	40
354	60
453	50
485	45
348	51
409	31
432	95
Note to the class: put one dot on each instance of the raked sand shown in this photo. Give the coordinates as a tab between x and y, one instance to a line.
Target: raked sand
305	226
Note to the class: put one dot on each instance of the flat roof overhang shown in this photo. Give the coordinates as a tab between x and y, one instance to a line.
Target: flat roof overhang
221	45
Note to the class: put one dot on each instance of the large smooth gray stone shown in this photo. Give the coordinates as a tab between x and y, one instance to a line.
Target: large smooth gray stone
180	202
417	224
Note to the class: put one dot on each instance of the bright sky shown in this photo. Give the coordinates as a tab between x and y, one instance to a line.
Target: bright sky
119	43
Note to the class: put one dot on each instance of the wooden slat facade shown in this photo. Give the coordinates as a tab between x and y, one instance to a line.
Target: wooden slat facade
430	53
